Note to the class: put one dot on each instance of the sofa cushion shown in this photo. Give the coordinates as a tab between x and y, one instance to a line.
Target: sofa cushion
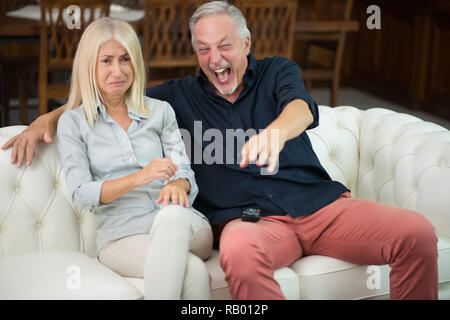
61	275
286	278
327	278
321	277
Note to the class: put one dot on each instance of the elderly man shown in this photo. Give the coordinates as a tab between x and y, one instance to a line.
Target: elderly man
303	212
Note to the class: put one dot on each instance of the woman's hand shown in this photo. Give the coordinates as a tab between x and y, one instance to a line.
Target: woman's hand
175	191
158	168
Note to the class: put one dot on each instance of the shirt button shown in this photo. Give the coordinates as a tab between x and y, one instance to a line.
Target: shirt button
130	160
270	196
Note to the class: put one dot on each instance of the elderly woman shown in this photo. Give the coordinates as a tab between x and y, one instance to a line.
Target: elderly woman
124	159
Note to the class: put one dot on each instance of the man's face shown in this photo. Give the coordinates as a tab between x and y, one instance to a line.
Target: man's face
221	53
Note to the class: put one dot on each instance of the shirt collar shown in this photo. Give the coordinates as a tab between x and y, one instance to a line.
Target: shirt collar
133	115
251	69
248	76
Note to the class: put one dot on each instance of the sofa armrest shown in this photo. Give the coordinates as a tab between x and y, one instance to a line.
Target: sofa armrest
405	161
36	211
61	275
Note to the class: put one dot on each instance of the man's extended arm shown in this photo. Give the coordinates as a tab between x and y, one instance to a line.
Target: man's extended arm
24	144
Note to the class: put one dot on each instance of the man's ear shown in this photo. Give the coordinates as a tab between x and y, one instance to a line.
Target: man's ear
247	45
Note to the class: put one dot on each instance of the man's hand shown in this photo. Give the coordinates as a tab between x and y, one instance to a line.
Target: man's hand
263	147
176	191
292	121
24	144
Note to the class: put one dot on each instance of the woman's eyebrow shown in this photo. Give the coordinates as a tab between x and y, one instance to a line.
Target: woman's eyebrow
111	56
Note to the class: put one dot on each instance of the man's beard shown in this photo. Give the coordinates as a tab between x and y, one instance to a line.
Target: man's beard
233	90
223	64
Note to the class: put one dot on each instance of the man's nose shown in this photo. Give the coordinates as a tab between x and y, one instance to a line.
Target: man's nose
215	57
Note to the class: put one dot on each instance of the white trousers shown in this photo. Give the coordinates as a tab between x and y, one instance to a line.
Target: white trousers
169	257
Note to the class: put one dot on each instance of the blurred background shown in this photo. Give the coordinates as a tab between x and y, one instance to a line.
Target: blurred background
395	55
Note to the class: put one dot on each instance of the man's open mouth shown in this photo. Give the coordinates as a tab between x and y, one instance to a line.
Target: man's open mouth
222	74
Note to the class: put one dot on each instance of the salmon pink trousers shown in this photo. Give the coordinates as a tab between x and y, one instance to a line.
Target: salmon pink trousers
354	230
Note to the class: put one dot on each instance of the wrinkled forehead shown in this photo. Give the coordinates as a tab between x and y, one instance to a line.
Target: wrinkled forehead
111	48
215	27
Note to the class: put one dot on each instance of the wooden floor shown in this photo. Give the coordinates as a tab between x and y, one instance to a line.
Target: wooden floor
363	100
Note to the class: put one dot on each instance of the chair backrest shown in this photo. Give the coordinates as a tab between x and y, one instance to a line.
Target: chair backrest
166	35
271	23
60	47
59	39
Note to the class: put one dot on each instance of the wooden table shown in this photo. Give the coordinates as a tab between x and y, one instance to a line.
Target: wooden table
23	27
17	27
307	30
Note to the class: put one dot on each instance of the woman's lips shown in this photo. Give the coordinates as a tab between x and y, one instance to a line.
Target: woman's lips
116	83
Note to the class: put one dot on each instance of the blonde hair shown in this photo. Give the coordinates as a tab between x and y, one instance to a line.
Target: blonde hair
83	87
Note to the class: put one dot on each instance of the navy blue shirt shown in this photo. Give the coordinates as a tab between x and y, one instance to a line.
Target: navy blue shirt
301	185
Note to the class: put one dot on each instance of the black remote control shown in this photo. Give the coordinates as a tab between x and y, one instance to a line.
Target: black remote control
251	215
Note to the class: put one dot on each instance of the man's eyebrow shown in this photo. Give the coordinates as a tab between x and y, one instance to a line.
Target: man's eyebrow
223	39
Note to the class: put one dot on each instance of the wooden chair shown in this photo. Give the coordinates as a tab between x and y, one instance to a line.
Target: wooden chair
58	44
167	39
18	64
324	24
19	71
271	23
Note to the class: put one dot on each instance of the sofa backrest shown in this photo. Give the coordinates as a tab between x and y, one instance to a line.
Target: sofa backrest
336	143
378	154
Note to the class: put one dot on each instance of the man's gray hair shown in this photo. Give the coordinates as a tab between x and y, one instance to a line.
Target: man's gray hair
220	7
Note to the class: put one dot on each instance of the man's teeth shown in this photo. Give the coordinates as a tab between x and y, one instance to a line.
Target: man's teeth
220	70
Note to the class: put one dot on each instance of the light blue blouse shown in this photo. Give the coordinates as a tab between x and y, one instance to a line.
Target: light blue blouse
91	156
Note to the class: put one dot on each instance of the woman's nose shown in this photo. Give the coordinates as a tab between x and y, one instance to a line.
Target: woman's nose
116	69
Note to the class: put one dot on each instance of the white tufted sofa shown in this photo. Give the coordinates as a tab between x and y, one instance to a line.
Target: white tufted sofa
47	246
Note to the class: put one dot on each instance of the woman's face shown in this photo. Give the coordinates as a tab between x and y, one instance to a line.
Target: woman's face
114	71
